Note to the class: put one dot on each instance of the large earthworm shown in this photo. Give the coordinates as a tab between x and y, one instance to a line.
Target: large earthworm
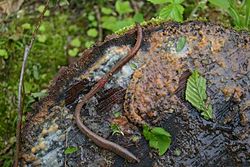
98	140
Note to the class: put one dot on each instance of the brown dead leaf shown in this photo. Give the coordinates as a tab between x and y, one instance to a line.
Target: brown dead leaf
10	6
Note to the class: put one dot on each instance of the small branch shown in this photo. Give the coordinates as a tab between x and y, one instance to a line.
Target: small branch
20	86
134	6
98	17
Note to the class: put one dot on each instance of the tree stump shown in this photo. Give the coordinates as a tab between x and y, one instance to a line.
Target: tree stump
150	88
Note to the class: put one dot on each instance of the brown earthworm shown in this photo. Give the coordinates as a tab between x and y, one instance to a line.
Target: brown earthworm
98	140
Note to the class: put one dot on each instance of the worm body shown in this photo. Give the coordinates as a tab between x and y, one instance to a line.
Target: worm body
98	140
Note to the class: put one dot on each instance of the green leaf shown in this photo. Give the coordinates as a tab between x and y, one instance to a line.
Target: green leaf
92	32
160	131
91	17
42	38
108	23
164	143
4	53
146	132
123	23
180	44
26	26
106	11
158	138
177	152
123	7
116	129
209	113
88	44
39	94
41	8
133	66
117	114
42	28
138	18
233	12
196	94
64	3
75	42
73	52
27	87
224	4
160	1
172	11
35	72
70	150
247	19
178	1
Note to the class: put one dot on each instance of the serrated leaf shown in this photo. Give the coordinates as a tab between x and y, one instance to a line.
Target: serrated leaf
70	150
172	11
123	7
196	94
209	113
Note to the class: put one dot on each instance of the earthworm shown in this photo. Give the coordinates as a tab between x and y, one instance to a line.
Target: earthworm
98	140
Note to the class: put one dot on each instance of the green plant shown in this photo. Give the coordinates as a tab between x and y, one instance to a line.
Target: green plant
122	16
196	94
173	10
158	138
239	11
181	44
116	129
70	150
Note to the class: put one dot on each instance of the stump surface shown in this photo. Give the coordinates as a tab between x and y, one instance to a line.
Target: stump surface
149	88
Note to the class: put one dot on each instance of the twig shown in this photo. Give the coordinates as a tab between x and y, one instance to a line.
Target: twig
134	6
20	86
98	17
66	146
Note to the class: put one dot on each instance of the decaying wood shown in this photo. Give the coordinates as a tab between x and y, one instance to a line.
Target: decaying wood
210	48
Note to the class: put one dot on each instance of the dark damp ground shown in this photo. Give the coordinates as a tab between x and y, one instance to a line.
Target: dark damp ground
225	141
